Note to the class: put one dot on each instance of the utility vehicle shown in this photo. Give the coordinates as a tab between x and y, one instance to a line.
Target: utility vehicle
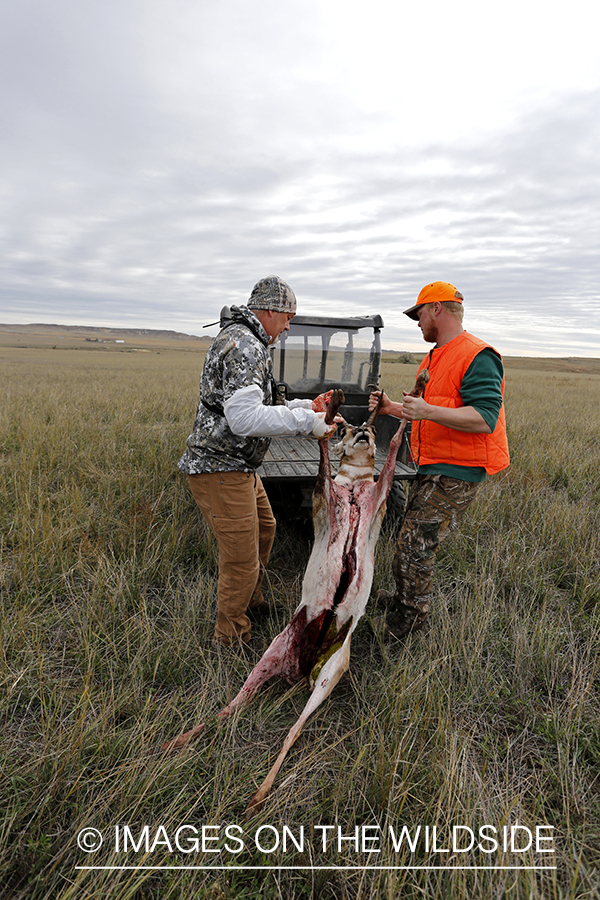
316	354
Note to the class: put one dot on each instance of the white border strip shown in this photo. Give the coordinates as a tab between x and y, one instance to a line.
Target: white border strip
313	868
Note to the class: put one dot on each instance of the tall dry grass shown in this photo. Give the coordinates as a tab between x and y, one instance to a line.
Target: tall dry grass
107	580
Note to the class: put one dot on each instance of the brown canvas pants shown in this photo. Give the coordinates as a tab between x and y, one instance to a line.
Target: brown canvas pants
239	515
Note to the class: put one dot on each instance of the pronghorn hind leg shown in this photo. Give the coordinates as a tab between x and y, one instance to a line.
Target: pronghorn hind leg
183	739
258	676
277	660
330	674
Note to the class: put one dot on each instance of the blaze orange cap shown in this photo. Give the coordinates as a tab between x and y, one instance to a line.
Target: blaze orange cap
438	290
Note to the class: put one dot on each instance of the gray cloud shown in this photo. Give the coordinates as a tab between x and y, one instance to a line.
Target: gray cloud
159	159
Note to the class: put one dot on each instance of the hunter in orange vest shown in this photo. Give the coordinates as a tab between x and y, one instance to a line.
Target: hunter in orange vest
458	438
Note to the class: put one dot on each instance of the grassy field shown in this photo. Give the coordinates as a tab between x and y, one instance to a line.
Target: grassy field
107	579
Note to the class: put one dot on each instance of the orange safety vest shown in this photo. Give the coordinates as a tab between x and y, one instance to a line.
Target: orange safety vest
432	443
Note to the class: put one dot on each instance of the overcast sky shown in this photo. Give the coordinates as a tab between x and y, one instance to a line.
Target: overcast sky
160	156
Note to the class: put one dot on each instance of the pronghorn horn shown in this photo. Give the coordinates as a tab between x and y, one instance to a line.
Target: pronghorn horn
336	400
422	379
375	412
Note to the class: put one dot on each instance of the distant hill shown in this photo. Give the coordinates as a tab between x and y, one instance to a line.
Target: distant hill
41	335
42	328
94	337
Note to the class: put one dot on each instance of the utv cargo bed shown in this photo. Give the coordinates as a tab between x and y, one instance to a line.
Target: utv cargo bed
297	459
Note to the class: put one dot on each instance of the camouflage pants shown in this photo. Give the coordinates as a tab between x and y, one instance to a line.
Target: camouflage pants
436	506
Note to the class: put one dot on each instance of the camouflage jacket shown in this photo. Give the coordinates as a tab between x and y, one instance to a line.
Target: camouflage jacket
238	357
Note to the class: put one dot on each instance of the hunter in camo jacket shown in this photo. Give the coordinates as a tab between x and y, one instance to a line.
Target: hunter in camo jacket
238	357
234	423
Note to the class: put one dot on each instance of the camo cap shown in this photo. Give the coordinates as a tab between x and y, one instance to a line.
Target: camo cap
274	294
438	290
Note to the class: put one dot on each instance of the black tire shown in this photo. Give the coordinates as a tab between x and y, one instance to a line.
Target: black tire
396	504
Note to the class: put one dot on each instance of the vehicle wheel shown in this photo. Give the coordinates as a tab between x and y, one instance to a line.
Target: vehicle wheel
396	504
286	502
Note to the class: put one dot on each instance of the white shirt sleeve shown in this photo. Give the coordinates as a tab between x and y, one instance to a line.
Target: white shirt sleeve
248	416
299	404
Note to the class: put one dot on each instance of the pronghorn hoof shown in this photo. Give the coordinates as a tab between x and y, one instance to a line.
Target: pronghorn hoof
257	801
